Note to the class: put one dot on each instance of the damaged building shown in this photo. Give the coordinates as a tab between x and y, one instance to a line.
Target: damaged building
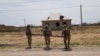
56	21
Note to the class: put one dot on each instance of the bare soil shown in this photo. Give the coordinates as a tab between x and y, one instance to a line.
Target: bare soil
75	51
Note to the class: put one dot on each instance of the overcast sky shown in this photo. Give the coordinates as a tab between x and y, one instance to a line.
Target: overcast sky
13	12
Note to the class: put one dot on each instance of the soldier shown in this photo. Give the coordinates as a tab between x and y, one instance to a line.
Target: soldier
29	36
67	36
47	33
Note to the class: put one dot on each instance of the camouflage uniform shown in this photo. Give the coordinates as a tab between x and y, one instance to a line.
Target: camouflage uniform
29	36
47	33
66	35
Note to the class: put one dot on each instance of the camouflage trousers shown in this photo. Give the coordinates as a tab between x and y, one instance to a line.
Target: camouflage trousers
29	40
47	41
67	41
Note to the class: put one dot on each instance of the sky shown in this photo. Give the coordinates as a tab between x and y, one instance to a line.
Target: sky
13	12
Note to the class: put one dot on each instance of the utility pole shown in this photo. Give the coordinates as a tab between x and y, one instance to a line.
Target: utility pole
81	15
25	22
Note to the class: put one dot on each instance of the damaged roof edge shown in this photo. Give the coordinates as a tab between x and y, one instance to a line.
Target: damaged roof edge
57	16
56	20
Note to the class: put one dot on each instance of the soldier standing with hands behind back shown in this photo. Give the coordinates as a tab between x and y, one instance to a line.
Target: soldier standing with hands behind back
47	33
29	36
66	35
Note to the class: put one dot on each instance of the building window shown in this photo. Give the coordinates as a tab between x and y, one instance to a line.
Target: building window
64	23
46	23
57	24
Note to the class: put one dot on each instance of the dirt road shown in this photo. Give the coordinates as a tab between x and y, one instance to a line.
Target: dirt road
45	53
76	51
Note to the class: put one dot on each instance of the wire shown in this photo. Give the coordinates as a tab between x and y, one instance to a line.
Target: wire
41	9
32	1
49	8
45	0
55	8
91	6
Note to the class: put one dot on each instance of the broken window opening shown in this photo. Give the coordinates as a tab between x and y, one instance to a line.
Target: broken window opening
46	23
57	24
64	23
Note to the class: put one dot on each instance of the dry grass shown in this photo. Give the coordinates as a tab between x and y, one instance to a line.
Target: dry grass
90	36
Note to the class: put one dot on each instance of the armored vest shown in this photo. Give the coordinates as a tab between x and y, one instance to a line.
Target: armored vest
47	32
66	32
28	31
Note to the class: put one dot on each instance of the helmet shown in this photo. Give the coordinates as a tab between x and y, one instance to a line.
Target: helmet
28	26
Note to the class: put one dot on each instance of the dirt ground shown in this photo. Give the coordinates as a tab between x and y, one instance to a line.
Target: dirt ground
83	43
15	46
74	51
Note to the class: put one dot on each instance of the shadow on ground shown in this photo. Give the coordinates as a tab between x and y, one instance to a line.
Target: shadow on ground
69	49
7	45
46	49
